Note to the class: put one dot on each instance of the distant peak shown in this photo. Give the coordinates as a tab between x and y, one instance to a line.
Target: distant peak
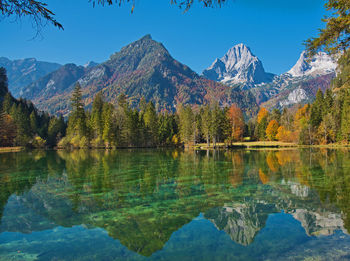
238	65
240	48
146	37
320	63
240	45
90	64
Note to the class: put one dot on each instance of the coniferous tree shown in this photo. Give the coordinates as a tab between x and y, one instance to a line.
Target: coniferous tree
345	119
33	123
96	120
151	122
7	103
77	121
186	119
206	120
3	82
108	133
317	110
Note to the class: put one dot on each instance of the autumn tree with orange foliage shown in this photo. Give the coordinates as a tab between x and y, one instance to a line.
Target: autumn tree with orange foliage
236	120
263	113
285	135
260	129
271	130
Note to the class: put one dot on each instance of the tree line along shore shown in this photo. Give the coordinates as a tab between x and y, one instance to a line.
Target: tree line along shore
325	121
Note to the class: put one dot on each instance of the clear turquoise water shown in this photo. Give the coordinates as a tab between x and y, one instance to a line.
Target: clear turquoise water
175	205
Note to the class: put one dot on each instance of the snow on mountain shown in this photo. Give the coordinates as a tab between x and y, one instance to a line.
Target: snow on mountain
320	64
239	65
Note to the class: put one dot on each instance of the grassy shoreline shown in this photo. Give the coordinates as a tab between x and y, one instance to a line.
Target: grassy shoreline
266	144
204	146
10	149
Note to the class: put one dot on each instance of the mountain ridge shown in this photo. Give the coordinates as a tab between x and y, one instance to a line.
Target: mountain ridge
22	72
144	69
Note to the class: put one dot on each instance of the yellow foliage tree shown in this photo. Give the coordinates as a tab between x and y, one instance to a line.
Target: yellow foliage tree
262	114
285	135
271	130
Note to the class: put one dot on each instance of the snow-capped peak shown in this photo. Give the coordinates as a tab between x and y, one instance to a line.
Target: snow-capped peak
238	65
319	64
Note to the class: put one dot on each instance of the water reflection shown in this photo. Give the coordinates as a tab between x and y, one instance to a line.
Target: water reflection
142	197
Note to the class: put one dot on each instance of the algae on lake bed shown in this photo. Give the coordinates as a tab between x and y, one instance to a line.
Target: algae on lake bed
162	204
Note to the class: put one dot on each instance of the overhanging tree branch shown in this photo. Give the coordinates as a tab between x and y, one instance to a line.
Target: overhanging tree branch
36	10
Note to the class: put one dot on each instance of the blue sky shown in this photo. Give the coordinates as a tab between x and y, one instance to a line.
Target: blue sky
273	29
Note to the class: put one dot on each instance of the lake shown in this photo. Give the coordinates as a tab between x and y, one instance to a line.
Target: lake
290	204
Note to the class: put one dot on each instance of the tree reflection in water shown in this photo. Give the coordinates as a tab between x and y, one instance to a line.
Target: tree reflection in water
141	197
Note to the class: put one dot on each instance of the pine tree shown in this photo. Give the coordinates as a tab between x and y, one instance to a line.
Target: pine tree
108	126
151	122
33	123
206	123
345	119
216	121
317	110
7	103
186	119
77	120
3	82
96	116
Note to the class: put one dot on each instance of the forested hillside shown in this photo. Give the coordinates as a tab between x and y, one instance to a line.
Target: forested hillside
21	124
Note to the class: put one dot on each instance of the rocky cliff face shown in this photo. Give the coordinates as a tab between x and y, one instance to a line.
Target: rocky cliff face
238	66
300	84
320	64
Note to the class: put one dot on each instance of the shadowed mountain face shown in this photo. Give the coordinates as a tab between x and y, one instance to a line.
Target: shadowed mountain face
143	68
142	197
23	72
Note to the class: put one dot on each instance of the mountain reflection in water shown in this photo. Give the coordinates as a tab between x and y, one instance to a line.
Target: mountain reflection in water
141	197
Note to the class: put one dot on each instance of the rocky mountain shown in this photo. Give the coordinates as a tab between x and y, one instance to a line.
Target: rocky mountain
299	85
320	64
90	64
23	72
238	66
143	68
54	84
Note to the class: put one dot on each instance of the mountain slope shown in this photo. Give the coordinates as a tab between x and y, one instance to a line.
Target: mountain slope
320	64
145	68
238	66
299	84
23	72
